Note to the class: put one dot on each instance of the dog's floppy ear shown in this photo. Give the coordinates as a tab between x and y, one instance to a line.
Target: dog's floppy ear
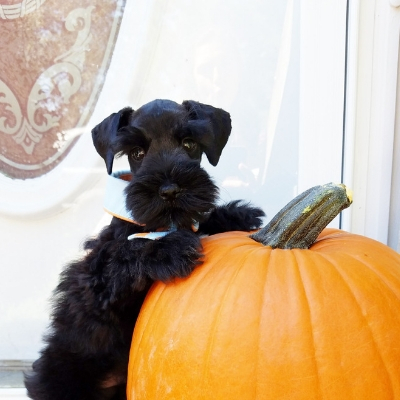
216	123
105	132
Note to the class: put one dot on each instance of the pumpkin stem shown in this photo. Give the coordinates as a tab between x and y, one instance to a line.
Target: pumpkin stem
299	223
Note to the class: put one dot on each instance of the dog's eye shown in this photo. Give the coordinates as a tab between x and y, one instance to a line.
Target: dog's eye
189	144
138	154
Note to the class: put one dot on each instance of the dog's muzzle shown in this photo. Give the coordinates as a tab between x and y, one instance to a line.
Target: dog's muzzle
114	203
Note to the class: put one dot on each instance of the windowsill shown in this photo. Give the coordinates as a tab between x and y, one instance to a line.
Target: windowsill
12	374
13	394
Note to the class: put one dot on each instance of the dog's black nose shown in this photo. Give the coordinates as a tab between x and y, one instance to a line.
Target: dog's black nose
169	191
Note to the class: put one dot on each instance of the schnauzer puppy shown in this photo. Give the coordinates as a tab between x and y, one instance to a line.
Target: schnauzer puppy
98	299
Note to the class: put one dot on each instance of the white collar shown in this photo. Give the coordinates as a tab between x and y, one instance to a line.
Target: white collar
114	199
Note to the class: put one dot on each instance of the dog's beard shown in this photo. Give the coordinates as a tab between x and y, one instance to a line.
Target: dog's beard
196	197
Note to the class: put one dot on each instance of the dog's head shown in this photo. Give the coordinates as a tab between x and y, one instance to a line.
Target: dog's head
164	142
197	128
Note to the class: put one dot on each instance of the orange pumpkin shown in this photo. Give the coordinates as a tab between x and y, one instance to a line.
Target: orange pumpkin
255	322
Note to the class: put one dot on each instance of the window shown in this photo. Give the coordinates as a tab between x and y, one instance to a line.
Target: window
278	67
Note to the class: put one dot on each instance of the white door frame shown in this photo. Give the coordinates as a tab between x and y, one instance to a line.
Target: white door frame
373	60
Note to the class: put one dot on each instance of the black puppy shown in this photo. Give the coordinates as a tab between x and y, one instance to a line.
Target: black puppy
98	299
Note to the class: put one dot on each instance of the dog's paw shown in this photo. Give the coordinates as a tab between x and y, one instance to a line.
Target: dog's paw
249	217
173	256
233	216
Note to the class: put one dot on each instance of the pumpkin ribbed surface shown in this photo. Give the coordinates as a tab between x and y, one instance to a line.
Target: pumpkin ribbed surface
259	323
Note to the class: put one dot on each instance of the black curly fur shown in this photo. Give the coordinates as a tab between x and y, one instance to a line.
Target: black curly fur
98	298
234	216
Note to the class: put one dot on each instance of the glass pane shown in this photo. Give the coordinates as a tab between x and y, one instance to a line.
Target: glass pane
67	65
